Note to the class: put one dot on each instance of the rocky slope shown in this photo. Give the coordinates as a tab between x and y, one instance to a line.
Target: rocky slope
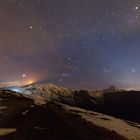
113	101
47	111
21	119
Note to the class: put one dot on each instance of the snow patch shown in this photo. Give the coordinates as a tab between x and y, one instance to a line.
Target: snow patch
25	112
122	127
6	131
40	128
38	100
3	107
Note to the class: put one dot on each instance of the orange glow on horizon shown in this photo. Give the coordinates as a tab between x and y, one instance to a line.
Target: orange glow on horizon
30	82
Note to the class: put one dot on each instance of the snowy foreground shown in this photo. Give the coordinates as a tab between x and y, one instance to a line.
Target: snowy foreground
42	95
129	130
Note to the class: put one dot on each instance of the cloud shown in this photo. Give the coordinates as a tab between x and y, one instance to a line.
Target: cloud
12	83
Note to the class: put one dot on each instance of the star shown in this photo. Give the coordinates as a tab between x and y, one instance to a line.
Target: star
23	75
133	70
136	8
60	80
69	59
31	27
20	3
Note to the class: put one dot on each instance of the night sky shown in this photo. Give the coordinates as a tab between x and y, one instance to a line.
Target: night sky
74	43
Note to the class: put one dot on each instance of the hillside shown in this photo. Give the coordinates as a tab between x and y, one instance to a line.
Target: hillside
113	101
21	119
47	111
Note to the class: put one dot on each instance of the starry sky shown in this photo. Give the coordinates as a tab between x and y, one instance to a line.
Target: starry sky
74	43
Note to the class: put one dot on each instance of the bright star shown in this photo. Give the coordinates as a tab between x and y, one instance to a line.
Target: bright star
23	75
136	8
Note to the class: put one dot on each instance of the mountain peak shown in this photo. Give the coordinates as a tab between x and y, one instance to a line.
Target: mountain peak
113	88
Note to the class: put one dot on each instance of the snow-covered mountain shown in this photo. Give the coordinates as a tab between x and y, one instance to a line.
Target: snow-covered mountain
40	108
113	101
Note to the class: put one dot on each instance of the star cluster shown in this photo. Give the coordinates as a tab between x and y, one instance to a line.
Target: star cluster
76	43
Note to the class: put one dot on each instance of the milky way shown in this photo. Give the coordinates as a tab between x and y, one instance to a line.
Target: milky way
73	43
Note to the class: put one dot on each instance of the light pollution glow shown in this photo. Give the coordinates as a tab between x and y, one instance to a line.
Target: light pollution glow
17	83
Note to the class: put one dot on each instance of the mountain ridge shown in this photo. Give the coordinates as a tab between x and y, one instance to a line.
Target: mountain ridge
88	113
112	101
